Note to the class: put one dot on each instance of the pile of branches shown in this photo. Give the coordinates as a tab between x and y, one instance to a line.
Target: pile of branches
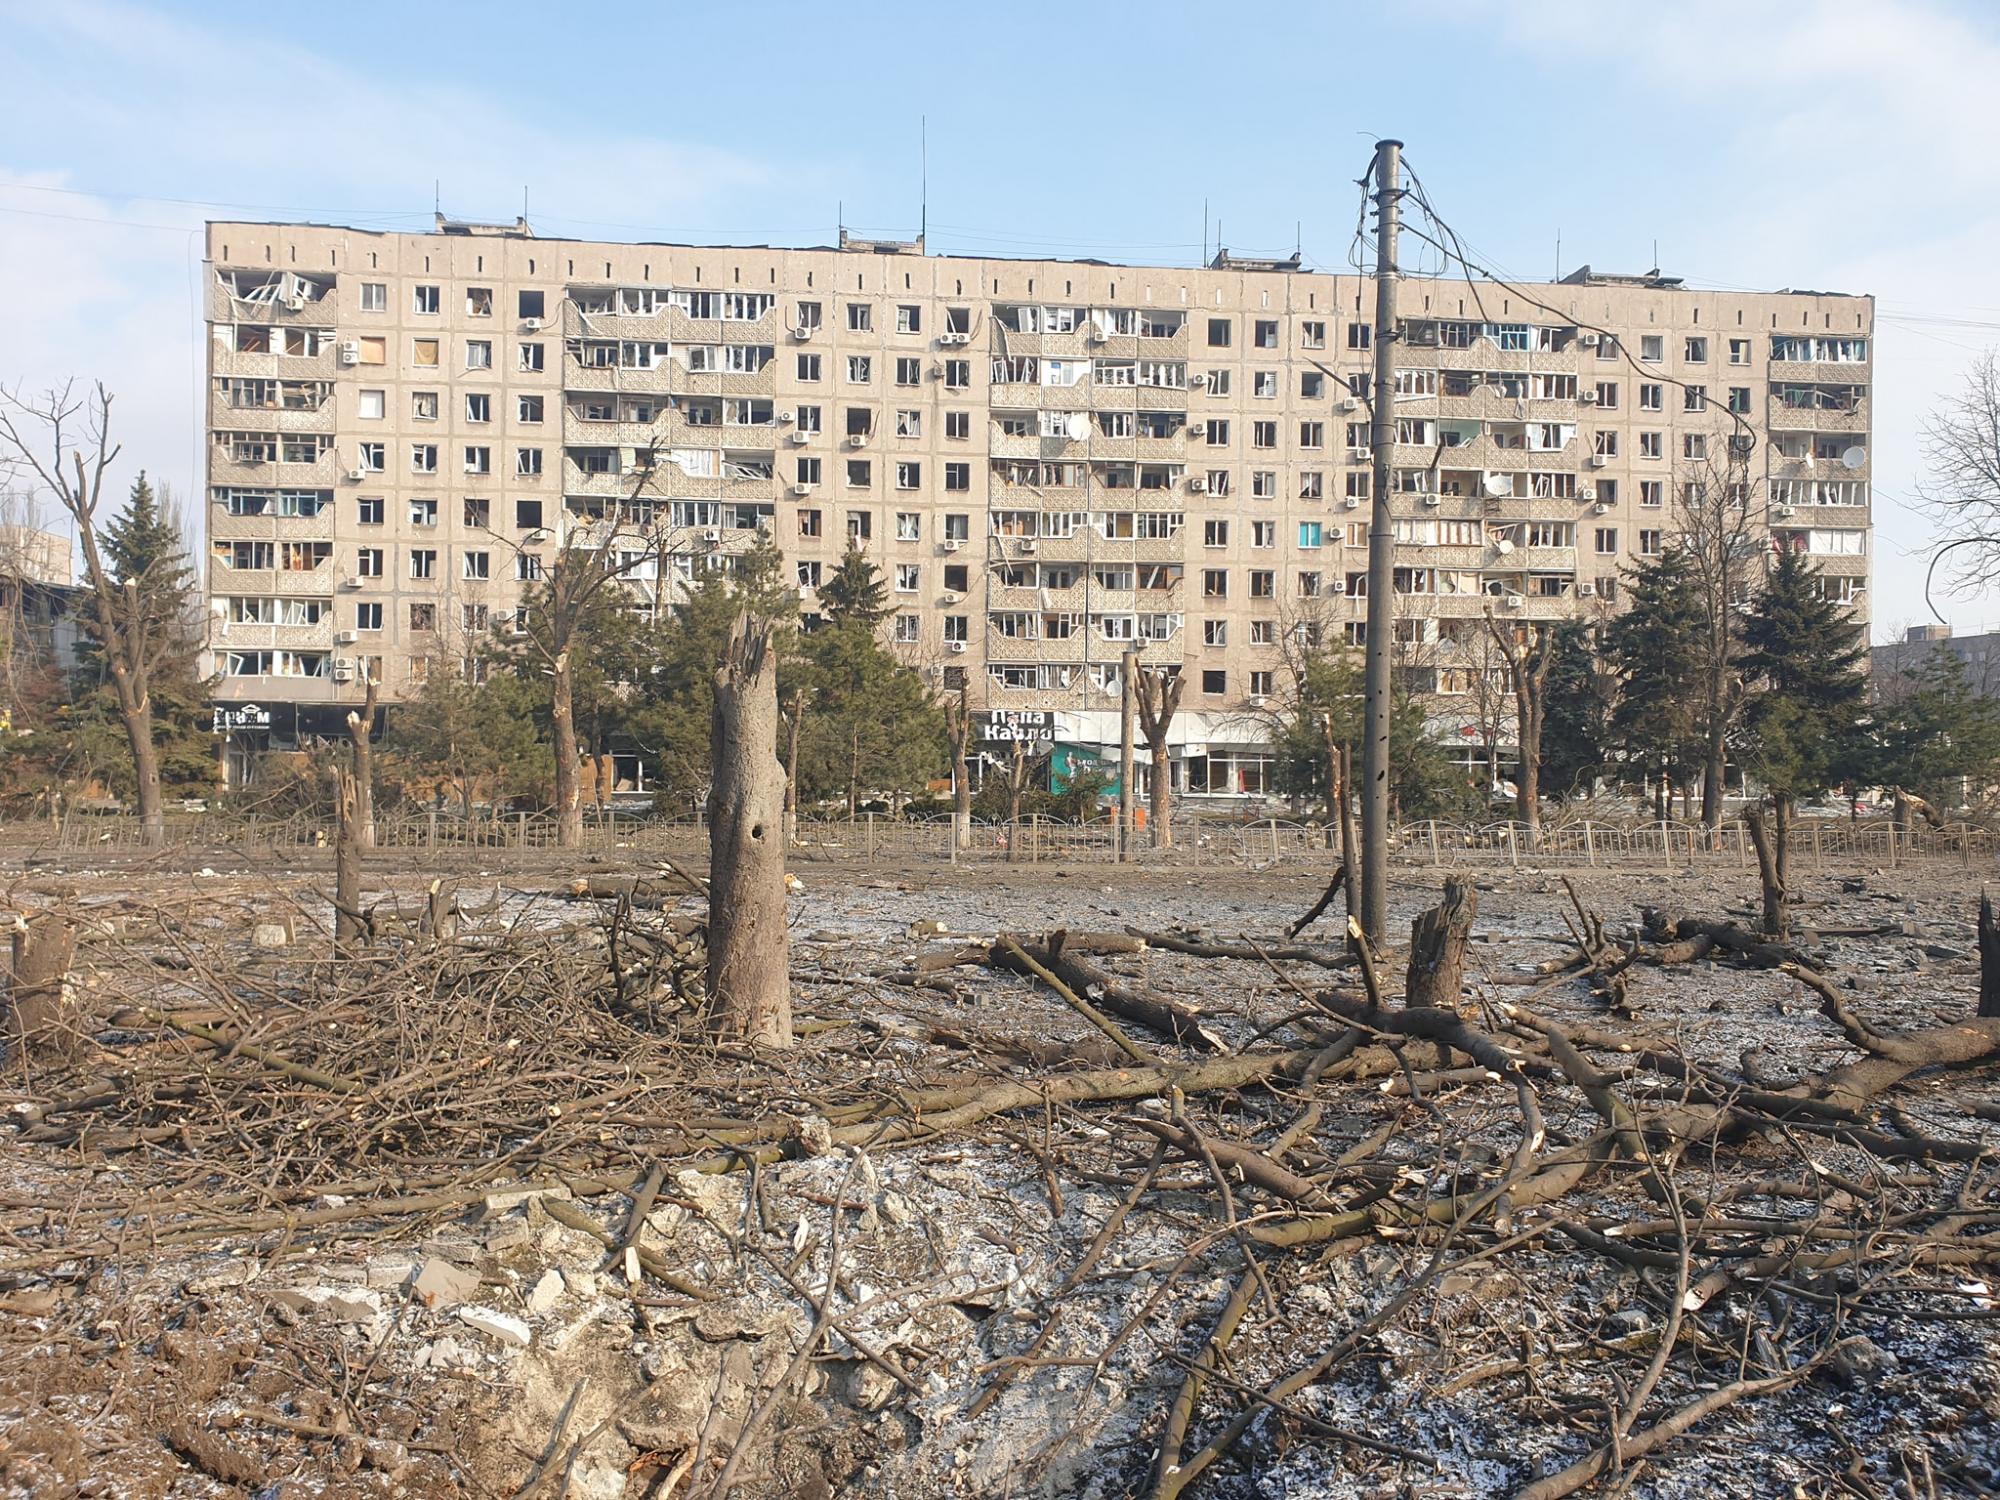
1762	1219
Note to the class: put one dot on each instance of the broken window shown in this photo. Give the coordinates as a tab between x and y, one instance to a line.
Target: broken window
479	302
478	354
531	357
909	318
860	317
424	299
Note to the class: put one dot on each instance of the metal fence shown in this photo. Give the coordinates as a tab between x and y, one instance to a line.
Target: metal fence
1199	839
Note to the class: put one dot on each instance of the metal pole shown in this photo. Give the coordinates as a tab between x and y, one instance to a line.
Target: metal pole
1381	554
1128	667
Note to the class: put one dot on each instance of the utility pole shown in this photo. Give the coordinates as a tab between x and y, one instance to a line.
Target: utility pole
1128	672
1381	553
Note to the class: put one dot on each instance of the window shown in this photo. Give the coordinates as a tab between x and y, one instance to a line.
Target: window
1607	540
1310	533
909	526
1604	442
1215	583
1218	382
371	406
1312	334
1652	347
479	302
909	318
1694	445
808	471
1263	484
424	353
1215	532
1263	434
374	349
1649	544
372	456
423	562
908	576
1652	493
957	374
368	616
1695	350
477	514
479	354
860	369
528	463
860	526
907	627
1267	333
1358	335
1694	397
808	367
424	299
958	424
369	511
475	566
1216	430
374	296
530	305
1263	583
527	515
909	476
423	512
1607	491
860	472
909	424
1312	434
1214	681
809	523
1739	398
1607	395
424	406
958	476
478	407
1264	384
1263	533
1652	397
909	371
1215	632
368	562
1312	386
955	630
1739	351
860	317
528	409
1218	333
1651	445
531	358
478	459
423	458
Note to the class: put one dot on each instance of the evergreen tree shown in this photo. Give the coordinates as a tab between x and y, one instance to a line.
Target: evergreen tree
855	592
871	725
1654	652
1326	685
147	558
1940	738
1576	728
474	744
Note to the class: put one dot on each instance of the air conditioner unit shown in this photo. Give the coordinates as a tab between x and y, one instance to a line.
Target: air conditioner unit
953	545
531	325
937	372
1600	461
1516	601
350	353
952	596
1781	511
802	489
1255	700
1350	404
351	584
1338	586
1197	381
1025	547
857	440
958	648
1586	398
950	336
1600	509
343	674
1098	335
712	536
1198	486
1355	454
800	439
803	333
786	418
1433	500
295	303
1588	340
1351	503
1586	492
1586	590
346	637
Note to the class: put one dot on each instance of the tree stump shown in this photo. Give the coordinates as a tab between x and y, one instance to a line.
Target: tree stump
350	926
1768	839
38	1001
1437	947
749	943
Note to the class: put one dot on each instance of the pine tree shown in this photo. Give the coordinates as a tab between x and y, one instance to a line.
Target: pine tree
1940	738
871	726
1654	651
1576	732
855	592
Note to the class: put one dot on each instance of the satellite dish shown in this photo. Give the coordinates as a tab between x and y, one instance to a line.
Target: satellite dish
1854	457
1079	427
1503	546
1498	485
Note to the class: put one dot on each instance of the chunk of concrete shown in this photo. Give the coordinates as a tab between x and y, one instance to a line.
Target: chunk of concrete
508	1329
270	935
440	1284
546	1292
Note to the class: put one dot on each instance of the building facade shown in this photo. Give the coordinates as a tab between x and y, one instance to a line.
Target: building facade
1051	463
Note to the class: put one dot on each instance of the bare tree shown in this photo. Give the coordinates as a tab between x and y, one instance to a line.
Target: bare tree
1157	695
1527	651
1962	489
1716	524
63	439
958	730
360	729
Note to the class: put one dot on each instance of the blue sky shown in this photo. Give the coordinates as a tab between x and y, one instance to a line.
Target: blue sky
1824	143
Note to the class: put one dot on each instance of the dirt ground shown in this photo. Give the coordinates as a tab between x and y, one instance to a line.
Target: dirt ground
197	1300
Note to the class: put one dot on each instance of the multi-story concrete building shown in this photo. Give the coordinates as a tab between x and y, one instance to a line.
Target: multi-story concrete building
1050	462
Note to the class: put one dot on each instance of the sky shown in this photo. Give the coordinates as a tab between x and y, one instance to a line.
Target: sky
1833	144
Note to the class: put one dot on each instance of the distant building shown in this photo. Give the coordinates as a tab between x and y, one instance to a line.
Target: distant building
1888	665
39	607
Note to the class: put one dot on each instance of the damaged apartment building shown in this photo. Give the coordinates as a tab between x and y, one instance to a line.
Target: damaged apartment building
1051	463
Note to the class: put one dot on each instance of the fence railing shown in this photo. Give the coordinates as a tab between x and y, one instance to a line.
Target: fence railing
1198	839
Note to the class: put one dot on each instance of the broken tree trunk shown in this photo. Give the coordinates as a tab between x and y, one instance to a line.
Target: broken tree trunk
749	944
38	1003
1768	840
1437	948
1989	959
360	726
350	927
1158	696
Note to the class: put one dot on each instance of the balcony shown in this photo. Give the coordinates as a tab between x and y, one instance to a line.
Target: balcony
240	637
578	376
1817	372
1001	445
1785	418
1020	395
225	527
322	366
268	418
283	690
321	474
224	307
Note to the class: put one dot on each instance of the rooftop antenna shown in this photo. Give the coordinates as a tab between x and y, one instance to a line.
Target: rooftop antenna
923	176
1559	252
437	195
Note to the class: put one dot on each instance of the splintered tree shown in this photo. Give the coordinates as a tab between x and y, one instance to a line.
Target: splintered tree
63	440
1805	661
749	943
958	732
1713	511
360	732
1527	652
1157	695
